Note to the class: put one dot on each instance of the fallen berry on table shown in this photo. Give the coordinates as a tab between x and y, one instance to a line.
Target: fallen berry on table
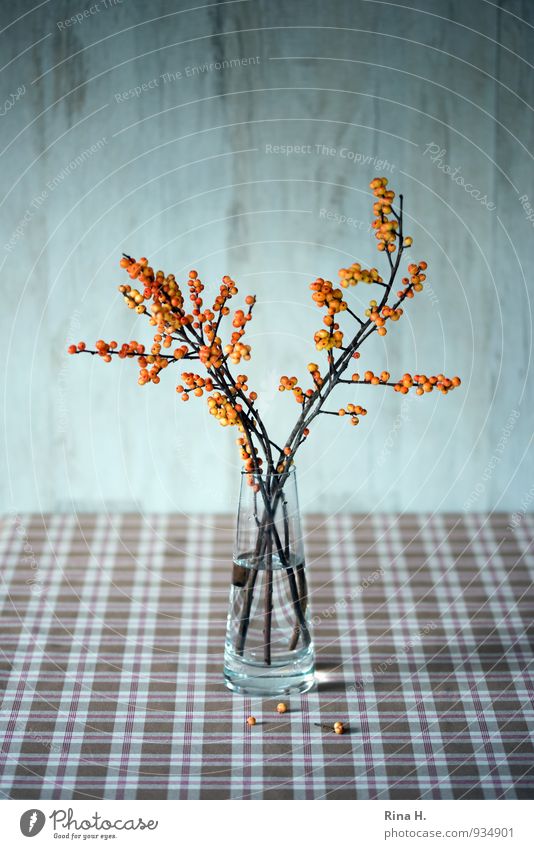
338	727
281	708
251	720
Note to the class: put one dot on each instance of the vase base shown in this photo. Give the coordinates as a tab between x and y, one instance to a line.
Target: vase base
266	687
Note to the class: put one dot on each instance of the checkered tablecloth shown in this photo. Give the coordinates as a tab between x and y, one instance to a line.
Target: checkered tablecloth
112	637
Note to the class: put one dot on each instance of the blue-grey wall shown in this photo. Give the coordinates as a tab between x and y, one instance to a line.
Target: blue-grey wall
159	129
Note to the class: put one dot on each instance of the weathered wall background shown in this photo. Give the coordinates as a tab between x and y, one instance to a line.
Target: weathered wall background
182	173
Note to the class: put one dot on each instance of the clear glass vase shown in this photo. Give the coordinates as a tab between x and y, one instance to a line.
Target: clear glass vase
269	647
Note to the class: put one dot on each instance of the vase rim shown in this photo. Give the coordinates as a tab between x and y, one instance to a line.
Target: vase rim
292	468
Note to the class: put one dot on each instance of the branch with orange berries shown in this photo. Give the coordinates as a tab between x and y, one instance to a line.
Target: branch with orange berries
388	225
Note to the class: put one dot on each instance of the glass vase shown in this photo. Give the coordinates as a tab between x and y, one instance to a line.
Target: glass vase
269	647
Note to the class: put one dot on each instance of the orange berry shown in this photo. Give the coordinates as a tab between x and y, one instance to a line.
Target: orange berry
251	720
281	707
72	349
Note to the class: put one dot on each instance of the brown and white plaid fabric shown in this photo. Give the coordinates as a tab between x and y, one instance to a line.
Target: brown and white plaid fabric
111	652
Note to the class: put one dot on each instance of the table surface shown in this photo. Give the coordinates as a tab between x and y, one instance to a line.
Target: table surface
111	652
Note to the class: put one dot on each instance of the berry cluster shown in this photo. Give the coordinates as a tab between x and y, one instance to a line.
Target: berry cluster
352	410
313	368
355	274
414	283
325	341
194	383
241	386
386	228
224	410
287	383
237	350
325	295
76	349
374	379
379	315
426	384
421	382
